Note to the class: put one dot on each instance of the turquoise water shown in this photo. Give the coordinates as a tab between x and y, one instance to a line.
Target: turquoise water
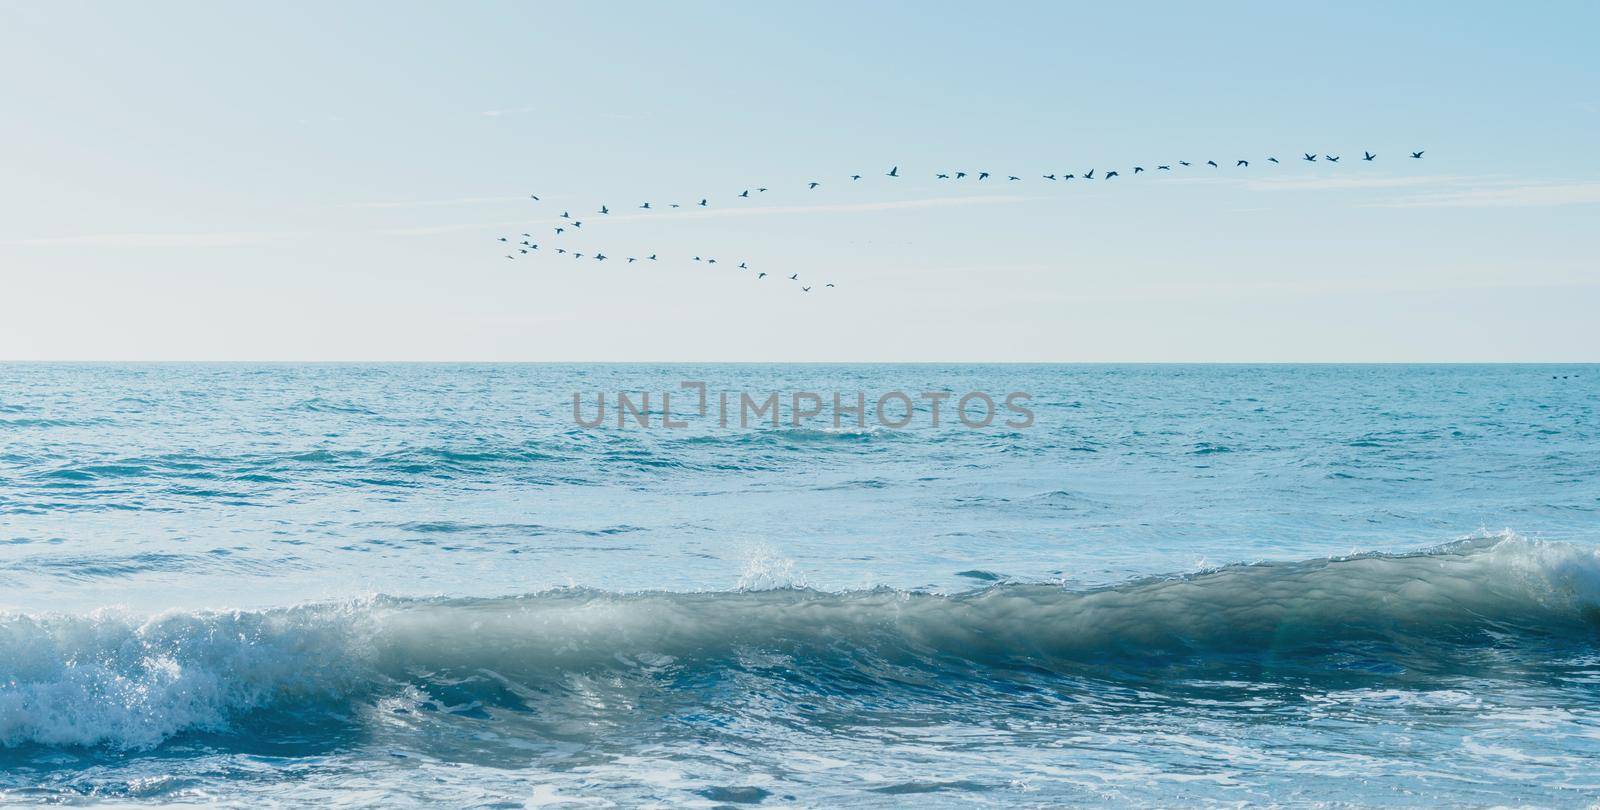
424	584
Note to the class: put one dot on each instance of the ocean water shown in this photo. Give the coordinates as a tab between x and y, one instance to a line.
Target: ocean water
425	585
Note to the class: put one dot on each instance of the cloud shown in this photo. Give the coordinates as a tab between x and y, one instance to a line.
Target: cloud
152	240
1507	195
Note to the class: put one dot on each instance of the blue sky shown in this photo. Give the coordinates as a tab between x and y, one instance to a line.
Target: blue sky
291	182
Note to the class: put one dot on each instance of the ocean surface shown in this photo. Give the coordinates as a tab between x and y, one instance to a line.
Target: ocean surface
426	585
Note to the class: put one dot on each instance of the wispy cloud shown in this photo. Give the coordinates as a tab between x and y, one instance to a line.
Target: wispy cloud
435	203
1507	195
152	240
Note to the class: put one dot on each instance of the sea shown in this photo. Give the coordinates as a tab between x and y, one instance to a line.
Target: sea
432	585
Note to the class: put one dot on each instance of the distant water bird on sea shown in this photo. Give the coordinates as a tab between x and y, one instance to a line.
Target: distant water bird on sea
1416	155
1367	155
1310	158
894	172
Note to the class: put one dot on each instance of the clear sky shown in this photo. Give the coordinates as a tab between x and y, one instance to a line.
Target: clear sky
325	181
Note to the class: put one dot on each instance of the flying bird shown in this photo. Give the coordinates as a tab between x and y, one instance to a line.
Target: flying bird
1165	168
560	231
502	239
565	215
1331	158
960	175
604	210
1310	158
651	257
1088	175
599	257
745	193
983	175
742	266
1138	169
631	260
1111	174
1367	155
1049	177
1012	177
1272	160
805	289
941	177
533	197
1183	163
1244	163
761	275
895	172
794	277
1211	163
1416	155
646	205
829	284
813	184
577	224
855	177
702	202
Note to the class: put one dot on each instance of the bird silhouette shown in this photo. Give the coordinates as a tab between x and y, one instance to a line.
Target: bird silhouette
745	193
711	261
577	224
1416	155
761	275
895	172
760	190
1272	160
1111	174
941	177
577	255
795	277
565	215
560	231
855	177
1331	158
1164	168
697	258
1367	155
1211	163
534	197
1088	175
1049	177
829	284
631	260
604	210
742	266
503	239
599	257
813	184
1012	177
702	202
522	251
1068	176
509	256
646	205
1310	158
983	175
1244	163
960	175
1138	169
651	257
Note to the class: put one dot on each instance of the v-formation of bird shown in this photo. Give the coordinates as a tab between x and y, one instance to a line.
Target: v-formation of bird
527	246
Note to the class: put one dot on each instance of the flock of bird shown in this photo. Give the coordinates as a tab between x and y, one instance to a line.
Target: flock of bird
568	223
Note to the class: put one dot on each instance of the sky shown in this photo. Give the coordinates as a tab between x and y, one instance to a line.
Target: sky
327	181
